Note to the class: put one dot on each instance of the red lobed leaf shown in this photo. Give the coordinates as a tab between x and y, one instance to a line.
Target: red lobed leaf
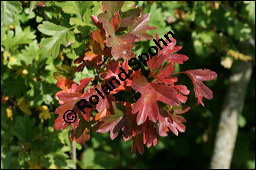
112	6
139	25
130	128
83	83
129	16
82	133
177	125
147	106
107	26
65	84
64	107
171	122
120	49
201	90
116	21
138	144
69	97
106	102
80	138
113	69
112	123
96	36
149	135
202	74
129	38
60	123
103	113
176	58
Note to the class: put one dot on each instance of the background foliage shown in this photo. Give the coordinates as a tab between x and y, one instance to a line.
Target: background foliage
39	38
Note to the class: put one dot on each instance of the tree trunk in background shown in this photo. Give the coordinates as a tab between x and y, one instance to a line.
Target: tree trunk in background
232	107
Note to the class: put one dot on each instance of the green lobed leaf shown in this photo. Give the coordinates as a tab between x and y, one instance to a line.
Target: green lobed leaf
60	35
21	37
30	53
97	8
78	21
9	10
52	29
78	8
24	128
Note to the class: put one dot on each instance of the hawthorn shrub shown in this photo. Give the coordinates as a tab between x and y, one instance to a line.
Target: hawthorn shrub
39	38
147	103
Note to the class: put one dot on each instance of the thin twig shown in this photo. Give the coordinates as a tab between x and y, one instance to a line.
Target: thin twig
74	153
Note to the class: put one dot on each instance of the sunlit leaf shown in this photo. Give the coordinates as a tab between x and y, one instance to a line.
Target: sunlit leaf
60	35
9	10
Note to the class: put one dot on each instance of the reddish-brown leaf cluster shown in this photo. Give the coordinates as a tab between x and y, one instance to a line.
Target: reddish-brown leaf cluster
157	99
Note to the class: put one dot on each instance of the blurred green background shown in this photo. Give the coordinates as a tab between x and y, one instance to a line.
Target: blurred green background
214	35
